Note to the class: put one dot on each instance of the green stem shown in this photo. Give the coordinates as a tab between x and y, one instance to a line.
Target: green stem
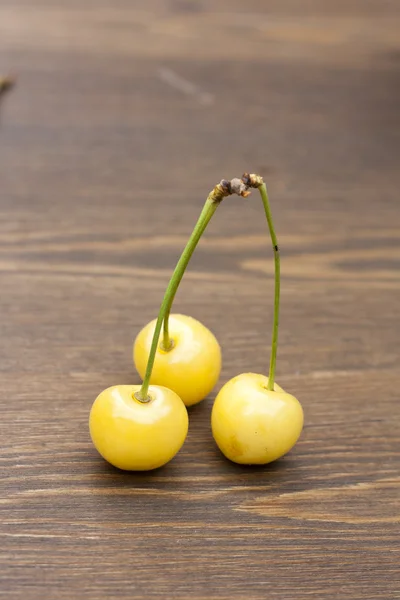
198	231
209	209
274	347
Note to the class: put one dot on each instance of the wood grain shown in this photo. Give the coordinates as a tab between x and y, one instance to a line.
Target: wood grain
124	117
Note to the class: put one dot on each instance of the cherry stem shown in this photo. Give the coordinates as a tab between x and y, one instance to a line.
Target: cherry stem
274	346
209	209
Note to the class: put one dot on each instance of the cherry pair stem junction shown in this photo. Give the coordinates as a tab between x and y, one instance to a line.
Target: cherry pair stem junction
221	190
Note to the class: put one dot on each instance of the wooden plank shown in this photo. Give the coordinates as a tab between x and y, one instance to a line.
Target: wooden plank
123	118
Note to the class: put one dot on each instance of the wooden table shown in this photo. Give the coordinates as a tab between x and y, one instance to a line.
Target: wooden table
125	115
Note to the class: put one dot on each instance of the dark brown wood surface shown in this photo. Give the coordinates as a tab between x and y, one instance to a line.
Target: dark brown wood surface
125	115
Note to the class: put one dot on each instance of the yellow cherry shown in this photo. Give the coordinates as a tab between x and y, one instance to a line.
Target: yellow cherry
253	425
190	367
134	435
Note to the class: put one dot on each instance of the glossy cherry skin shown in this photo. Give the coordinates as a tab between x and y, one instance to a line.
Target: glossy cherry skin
252	425
191	367
134	435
